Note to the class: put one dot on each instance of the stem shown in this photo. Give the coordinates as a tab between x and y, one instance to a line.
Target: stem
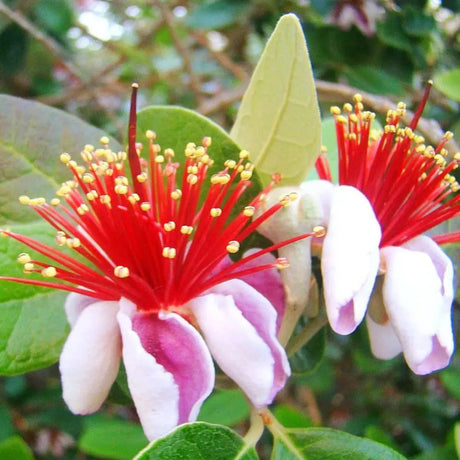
307	333
256	427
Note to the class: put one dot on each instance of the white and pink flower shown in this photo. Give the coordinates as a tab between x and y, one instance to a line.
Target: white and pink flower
159	290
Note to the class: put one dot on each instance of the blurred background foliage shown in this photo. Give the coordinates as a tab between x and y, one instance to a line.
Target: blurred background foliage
83	55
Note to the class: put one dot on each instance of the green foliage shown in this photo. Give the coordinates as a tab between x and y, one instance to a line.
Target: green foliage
227	407
217	14
199	440
309	357
449	83
15	448
279	115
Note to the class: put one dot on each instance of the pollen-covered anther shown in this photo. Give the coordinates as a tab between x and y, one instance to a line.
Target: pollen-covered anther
353	117
281	263
121	189
246	174
192	179
169	226
220	179
24	199
105	199
169	253
65	157
122	156
190	150
389	129
82	209
145	206
151	135
233	247
176	194
37	201
206	141
186	229
244	154
293	196
104	140
215	212
249	211
28	267
285	200
92	195
73	243
24	258
159	159
134	198
230	164
169	153
335	110
347	107
142	177
193	169
121	272
49	272
319	231
341	119
60	238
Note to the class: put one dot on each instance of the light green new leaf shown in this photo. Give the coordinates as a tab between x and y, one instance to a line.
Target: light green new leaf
449	83
322	443
199	441
32	135
279	121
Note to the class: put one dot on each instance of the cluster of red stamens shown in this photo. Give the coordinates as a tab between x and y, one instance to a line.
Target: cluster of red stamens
146	239
409	184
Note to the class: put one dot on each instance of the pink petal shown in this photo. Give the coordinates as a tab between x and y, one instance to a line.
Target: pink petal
169	369
350	258
383	339
91	357
239	325
415	303
75	304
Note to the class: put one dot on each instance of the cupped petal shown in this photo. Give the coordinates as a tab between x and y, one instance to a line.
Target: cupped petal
239	325
169	368
75	304
350	258
413	296
90	358
383	339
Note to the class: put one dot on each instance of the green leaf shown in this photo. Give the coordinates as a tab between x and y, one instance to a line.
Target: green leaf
391	32
115	439
451	380
373	80
279	121
449	83
14	42
14	448
176	127
417	23
291	417
31	139
309	357
457	438
55	16
199	441
217	14
227	407
6	424
325	443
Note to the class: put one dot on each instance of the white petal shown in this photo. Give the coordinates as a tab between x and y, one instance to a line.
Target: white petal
414	302
235	345
315	201
90	358
153	389
383	339
75	304
350	258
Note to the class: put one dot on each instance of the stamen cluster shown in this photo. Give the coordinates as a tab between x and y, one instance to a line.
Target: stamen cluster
408	183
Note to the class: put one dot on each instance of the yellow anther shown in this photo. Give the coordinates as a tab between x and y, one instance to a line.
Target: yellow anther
205	159
351	136
145	206
176	194
121	272
190	150
60	238
220	179
121	189
24	199
72	164
169	226
192	169
149	134
159	159
55	201
389	129
24	258
215	212
65	158
200	151
423	176
110	156
105	199
134	198
341	119
37	201
186	230
169	153
448	135
347	107
121	180
206	141
246	175
74	242
249	211
457	156
319	231
353	117
100	153
86	156
142	177
122	156
88	148
230	164
358	98
281	263
244	154
335	110
82	209
285	200
104	140
169	253
49	272
293	196
92	195
192	179
233	247
29	267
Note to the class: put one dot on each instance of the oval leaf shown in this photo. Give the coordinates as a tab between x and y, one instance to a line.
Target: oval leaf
279	120
321	443
199	440
449	83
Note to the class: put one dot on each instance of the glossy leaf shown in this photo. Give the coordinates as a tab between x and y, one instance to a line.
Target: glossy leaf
449	83
226	407
322	443
199	441
14	448
279	121
116	439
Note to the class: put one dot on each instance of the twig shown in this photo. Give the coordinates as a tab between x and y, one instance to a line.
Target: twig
51	45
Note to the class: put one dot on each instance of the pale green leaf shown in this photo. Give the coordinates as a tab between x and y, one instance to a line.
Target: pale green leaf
449	83
15	448
279	121
199	441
